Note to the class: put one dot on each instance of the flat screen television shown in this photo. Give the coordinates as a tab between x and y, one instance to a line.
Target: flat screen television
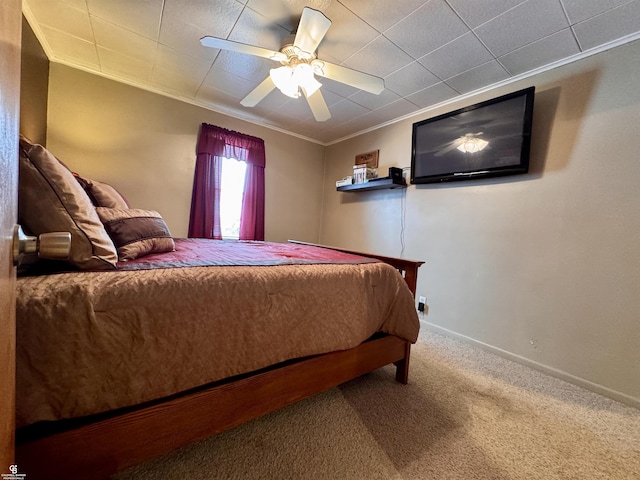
488	139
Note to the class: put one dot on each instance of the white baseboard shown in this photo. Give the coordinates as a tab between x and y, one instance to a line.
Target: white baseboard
567	377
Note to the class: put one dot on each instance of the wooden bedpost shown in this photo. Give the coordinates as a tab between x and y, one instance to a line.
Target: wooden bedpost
402	366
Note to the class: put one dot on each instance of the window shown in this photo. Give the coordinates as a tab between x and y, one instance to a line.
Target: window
216	148
231	191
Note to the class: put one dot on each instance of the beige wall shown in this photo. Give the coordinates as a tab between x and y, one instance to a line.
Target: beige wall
546	266
34	88
144	144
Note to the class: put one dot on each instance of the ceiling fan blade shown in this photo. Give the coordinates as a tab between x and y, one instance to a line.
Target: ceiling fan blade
258	93
223	44
312	28
356	79
318	106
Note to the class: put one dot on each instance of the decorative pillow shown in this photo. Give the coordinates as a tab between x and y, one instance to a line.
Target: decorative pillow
136	232
51	200
102	194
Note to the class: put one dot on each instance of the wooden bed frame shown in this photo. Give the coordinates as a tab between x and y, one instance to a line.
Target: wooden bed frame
98	447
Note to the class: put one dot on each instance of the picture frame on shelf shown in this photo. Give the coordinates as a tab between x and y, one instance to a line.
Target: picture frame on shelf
370	159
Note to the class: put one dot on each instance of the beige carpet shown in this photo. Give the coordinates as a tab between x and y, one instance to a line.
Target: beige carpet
466	414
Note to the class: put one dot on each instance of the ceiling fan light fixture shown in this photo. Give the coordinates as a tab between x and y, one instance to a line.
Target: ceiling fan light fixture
284	79
303	73
290	79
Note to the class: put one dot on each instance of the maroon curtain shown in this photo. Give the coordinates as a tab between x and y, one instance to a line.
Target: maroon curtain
252	215
214	144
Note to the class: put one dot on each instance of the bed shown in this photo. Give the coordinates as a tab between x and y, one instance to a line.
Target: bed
144	343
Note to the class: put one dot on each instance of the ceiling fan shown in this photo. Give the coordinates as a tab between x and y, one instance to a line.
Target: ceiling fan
300	64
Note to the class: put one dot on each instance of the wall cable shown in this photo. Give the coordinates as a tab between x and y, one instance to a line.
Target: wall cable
403	215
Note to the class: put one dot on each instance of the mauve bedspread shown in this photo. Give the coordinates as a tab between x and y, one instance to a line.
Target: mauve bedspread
89	342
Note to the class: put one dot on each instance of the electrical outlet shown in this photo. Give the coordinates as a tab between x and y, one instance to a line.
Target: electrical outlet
421	303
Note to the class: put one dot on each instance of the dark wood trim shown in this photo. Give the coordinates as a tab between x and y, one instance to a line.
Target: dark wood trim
97	450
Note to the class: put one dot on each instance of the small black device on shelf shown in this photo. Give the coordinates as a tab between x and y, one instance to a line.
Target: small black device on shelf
395	173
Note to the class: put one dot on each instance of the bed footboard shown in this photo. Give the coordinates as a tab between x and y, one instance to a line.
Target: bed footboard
407	268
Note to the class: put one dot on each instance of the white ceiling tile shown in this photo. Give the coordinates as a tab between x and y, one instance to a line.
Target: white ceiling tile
410	79
526	23
217	17
396	109
175	82
371	101
72	49
118	39
329	135
548	50
248	67
612	24
426	29
330	97
274	101
432	95
368	120
581	10
123	66
63	17
457	56
308	129
221	101
229	83
479	77
382	14
345	110
341	89
185	37
143	16
285	14
477	12
347	34
169	59
380	57
295	108
254	29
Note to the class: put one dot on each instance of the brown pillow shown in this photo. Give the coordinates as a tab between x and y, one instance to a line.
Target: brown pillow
51	200
136	232
102	194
